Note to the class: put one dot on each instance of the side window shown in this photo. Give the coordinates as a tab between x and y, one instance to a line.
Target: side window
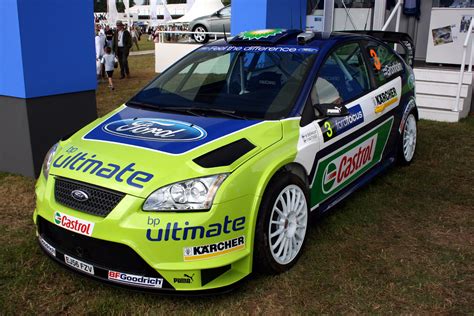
385	64
225	12
342	77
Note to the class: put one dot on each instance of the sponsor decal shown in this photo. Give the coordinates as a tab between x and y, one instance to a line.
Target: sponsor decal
385	99
213	250
154	129
260	49
74	224
410	106
187	132
335	126
79	265
259	34
343	167
411	81
87	163
135	279
46	246
346	164
392	68
310	136
173	231
185	279
376	60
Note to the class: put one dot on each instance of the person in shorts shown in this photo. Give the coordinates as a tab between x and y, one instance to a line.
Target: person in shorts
108	60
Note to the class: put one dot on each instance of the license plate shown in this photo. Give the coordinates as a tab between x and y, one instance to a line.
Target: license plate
87	268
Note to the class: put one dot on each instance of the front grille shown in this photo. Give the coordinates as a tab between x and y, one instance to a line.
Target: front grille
101	253
100	201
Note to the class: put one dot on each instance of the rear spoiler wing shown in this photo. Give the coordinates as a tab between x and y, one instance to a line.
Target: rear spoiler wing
394	38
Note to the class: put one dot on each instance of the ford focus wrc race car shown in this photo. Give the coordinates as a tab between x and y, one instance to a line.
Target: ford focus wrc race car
214	168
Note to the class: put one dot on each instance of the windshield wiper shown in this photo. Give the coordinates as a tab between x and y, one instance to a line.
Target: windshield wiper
189	110
221	112
228	113
140	104
163	108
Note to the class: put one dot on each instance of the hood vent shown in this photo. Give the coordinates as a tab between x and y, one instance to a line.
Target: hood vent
225	155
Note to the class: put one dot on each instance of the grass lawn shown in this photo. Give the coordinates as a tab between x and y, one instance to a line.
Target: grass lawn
404	244
144	44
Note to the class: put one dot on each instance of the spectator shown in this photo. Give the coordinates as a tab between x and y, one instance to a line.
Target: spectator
109	35
109	63
99	52
134	34
122	43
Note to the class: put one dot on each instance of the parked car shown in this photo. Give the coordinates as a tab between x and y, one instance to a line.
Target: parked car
214	169
216	22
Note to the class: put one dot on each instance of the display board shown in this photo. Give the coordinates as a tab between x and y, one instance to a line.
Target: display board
448	30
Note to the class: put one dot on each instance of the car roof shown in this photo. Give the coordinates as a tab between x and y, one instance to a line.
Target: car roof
282	37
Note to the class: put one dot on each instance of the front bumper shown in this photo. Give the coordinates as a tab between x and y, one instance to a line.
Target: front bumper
152	251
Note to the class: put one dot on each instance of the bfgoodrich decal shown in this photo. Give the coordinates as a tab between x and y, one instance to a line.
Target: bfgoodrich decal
133	279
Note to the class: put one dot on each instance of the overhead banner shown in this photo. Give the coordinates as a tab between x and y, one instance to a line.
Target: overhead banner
112	12
153	19
166	13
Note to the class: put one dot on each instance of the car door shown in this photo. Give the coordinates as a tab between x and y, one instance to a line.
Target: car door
350	145
222	19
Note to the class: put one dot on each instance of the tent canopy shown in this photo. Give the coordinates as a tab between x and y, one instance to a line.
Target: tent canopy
199	8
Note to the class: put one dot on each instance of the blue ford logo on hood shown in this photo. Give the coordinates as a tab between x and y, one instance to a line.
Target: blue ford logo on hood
154	129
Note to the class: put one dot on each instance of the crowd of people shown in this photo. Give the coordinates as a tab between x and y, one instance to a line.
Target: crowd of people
154	35
112	48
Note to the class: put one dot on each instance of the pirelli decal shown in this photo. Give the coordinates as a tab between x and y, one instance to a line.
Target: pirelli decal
385	99
213	250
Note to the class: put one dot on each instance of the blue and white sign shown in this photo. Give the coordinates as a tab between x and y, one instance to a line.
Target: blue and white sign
153	129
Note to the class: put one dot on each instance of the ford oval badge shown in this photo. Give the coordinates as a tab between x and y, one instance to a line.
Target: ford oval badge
79	195
153	129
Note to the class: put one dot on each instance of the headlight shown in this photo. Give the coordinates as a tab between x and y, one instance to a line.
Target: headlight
193	194
48	159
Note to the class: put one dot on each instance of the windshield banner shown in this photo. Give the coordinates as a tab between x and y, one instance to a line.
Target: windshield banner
275	49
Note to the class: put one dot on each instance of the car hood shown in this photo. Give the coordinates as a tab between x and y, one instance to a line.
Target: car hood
205	17
137	151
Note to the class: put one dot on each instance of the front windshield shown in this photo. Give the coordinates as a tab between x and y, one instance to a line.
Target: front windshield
262	83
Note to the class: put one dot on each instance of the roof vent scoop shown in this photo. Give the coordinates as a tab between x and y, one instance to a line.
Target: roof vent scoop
225	155
304	37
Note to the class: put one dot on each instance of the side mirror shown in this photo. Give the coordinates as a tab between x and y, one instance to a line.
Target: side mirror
217	13
331	110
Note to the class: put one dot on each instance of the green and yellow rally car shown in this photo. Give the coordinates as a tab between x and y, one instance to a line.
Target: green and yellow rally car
215	167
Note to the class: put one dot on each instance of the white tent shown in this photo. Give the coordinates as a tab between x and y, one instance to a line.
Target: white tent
199	8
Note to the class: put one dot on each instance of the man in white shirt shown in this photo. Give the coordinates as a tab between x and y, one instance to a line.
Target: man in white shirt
122	45
99	52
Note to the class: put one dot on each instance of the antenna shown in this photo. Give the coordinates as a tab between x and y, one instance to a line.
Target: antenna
301	19
225	35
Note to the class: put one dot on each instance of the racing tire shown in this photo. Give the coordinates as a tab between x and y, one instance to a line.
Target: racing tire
198	37
407	146
282	224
